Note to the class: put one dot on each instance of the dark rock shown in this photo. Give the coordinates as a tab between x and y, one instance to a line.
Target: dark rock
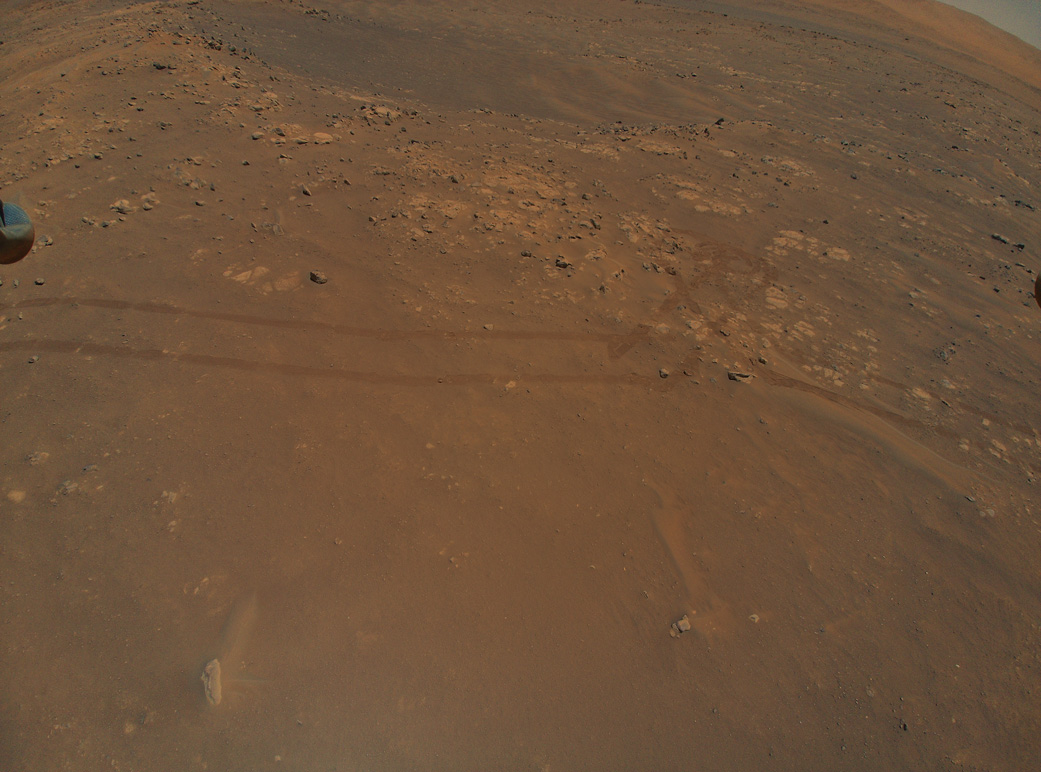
318	277
680	626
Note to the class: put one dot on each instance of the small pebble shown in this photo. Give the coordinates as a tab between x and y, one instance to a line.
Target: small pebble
39	282
33	359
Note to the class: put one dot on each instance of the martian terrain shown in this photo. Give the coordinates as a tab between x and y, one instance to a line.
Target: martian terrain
572	385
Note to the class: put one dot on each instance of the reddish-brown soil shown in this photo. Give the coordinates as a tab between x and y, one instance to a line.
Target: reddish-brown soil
626	312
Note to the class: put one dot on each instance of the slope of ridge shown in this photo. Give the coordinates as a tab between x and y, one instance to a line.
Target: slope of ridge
967	33
947	34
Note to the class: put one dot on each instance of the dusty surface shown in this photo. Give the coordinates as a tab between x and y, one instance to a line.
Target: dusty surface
633	312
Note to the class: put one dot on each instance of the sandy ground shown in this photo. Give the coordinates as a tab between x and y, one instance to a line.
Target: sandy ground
625	313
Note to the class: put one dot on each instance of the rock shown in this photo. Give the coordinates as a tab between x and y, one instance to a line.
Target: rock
211	684
999	237
680	626
305	190
33	359
321	138
39	282
318	277
257	135
562	263
663	373
736	376
200	203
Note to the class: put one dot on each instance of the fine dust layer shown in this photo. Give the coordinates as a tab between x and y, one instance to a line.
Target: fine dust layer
666	397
